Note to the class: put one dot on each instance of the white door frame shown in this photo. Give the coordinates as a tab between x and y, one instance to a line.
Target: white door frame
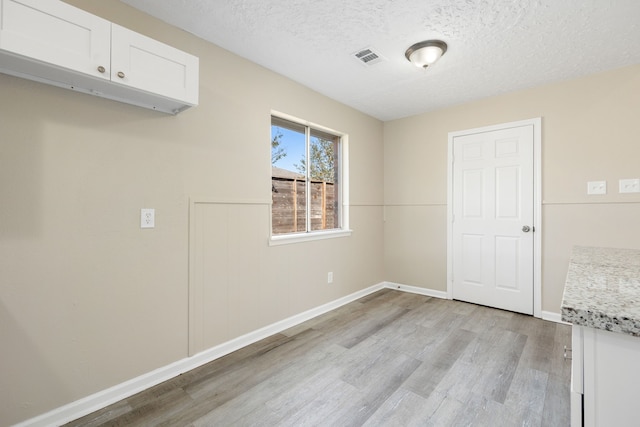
537	205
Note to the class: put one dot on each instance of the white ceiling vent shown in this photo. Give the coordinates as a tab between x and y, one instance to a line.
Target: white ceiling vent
368	57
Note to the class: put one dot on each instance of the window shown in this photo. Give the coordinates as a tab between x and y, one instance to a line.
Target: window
306	180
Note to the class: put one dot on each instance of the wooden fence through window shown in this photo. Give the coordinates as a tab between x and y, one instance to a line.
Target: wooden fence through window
288	213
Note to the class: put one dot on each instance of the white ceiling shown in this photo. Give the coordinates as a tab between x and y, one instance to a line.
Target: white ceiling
495	46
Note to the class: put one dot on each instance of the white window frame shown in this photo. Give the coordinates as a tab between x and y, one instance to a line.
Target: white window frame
343	183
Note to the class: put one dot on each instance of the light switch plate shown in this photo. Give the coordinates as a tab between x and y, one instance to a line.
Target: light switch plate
630	185
597	187
147	218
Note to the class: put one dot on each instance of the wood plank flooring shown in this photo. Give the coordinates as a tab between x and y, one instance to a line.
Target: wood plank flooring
388	359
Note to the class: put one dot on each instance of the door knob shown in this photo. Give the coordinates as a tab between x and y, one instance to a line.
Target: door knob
526	228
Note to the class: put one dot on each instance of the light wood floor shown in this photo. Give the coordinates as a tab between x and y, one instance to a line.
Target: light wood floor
388	359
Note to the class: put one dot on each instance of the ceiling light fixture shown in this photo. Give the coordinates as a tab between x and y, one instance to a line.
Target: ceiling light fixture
426	53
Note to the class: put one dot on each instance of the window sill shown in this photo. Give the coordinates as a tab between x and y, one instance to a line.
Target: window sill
287	239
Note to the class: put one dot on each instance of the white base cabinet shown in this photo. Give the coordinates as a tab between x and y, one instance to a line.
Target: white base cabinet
577	376
53	42
605	364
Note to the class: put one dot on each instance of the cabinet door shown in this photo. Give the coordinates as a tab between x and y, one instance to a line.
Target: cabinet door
577	375
611	378
143	63
56	33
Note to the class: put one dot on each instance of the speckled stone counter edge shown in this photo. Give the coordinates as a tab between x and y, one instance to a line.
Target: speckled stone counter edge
598	320
605	314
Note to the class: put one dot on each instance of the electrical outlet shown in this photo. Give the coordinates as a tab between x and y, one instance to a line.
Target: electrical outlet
630	185
330	277
147	218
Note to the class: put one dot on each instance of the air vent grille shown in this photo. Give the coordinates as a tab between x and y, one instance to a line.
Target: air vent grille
367	56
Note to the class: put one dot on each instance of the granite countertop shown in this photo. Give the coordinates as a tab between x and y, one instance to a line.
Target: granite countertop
602	290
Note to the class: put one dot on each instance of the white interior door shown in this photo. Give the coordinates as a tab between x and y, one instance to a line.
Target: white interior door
493	218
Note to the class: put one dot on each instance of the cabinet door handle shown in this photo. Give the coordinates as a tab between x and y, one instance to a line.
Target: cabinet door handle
566	351
121	74
101	69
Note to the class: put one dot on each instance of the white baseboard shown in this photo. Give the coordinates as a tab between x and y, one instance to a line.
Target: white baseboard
416	290
553	317
546	315
101	399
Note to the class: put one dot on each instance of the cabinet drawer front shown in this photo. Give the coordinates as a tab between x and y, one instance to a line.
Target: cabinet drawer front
56	33
146	64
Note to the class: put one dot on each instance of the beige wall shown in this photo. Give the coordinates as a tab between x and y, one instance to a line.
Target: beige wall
589	132
88	299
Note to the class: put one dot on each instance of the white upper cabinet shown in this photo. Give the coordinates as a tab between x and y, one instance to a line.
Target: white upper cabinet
56	33
53	42
143	63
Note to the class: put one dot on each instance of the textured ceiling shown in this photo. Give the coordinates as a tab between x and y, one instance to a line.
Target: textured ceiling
495	46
